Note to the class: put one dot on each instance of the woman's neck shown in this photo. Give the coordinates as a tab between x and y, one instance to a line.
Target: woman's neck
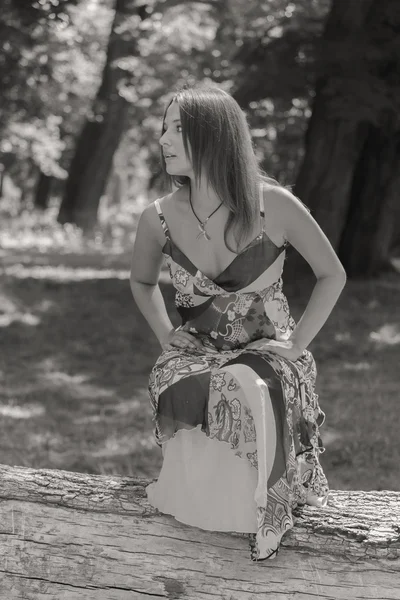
204	199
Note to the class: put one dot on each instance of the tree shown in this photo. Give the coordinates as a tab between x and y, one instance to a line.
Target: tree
50	63
349	176
65	533
279	61
141	63
101	133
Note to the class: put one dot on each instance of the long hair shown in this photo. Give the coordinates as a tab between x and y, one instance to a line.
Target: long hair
217	140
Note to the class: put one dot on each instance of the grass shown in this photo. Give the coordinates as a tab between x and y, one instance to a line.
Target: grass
76	354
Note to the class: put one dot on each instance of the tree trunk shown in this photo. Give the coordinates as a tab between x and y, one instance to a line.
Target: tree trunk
80	536
2	173
115	190
366	241
42	193
325	178
101	133
333	143
395	244
350	159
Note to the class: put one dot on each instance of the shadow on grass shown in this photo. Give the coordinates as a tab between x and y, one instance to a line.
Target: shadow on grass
76	355
75	363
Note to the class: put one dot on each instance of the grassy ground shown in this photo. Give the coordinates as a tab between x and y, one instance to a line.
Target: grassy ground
76	354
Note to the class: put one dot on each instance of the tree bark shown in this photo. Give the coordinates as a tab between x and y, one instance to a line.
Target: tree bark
332	142
115	189
2	173
350	151
101	133
370	226
325	178
73	535
42	193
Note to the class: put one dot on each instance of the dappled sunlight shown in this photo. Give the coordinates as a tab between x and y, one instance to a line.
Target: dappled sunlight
7	305
36	229
61	273
51	376
24	318
344	336
120	407
23	388
31	230
45	306
10	312
396	263
329	436
74	388
75	384
116	445
100	259
14	411
360	366
387	335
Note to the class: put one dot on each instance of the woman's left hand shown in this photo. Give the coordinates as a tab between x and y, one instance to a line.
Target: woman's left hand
285	348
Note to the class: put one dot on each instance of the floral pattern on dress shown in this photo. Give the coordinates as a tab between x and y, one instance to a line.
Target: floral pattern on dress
183	299
238	318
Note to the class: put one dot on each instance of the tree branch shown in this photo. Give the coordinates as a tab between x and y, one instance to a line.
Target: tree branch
64	534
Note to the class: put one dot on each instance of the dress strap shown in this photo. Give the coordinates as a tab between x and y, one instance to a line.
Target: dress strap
262	207
162	219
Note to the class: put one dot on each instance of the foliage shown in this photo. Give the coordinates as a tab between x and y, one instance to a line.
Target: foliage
31	232
52	64
55	58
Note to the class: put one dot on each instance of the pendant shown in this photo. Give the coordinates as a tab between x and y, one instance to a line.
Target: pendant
203	232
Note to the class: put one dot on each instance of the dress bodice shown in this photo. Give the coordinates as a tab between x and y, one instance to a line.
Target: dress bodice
243	303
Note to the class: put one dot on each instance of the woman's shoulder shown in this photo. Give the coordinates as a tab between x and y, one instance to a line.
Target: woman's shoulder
275	199
173	201
174	206
149	220
165	200
279	199
151	212
153	217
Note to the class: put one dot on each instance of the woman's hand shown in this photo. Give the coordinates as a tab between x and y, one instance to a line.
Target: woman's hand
180	339
285	348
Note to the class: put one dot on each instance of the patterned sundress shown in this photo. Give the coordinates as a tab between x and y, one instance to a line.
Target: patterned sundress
247	414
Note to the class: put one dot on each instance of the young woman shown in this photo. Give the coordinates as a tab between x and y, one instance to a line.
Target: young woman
232	392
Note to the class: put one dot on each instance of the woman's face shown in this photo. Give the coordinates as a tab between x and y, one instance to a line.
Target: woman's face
172	143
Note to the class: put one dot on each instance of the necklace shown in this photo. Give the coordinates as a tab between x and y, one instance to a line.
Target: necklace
202	224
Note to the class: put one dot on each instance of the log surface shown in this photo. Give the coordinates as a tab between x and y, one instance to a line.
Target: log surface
66	535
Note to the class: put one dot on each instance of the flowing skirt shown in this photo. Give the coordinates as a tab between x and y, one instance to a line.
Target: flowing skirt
203	484
240	440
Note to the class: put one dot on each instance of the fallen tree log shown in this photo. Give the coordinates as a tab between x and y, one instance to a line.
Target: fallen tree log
68	535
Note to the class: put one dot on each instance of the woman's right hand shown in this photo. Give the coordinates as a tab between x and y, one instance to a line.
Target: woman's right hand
180	339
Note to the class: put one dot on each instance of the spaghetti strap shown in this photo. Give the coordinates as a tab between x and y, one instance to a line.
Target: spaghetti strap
162	219
262	214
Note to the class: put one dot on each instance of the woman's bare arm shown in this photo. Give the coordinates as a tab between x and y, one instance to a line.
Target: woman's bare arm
304	234
145	271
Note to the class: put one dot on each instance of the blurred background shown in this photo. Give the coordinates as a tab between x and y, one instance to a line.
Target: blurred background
83	85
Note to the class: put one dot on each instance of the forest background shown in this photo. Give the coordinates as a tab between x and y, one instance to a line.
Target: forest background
83	85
